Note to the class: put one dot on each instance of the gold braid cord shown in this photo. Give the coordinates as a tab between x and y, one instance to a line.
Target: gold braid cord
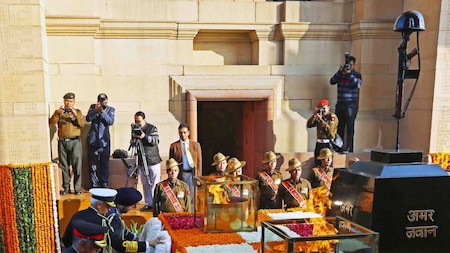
130	246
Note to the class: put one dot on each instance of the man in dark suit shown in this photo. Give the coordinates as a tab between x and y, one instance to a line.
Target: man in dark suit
189	153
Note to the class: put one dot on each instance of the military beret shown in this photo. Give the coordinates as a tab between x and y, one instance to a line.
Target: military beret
104	194
91	231
323	102
69	95
102	96
127	196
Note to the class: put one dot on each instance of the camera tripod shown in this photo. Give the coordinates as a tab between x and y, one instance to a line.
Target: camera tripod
140	162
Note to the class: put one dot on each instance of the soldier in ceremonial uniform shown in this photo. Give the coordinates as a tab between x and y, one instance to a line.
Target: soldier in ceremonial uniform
125	200
220	163
294	192
99	213
101	201
172	194
268	181
326	123
88	237
323	174
69	121
234	168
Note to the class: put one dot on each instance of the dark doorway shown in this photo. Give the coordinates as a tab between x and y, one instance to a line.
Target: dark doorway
219	130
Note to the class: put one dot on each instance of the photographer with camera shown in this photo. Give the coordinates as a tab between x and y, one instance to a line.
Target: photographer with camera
348	82
326	123
148	135
69	121
99	144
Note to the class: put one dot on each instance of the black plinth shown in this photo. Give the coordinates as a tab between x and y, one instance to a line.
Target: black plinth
393	156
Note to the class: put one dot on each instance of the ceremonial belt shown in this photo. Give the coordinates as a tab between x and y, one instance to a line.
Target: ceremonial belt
325	178
294	193
269	181
234	190
173	199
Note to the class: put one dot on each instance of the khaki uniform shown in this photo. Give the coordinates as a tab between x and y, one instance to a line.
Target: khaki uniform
162	202
268	196
317	179
69	146
286	200
325	127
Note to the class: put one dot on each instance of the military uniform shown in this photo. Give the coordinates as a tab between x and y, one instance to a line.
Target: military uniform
318	180
162	202
90	215
326	129
93	234
69	144
286	200
267	197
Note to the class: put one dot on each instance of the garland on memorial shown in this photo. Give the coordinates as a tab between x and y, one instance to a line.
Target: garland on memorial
27	209
441	158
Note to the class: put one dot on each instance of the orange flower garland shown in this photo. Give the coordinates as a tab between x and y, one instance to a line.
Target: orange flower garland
8	212
38	227
441	158
43	215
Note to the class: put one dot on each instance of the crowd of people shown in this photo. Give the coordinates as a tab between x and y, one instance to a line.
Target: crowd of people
100	227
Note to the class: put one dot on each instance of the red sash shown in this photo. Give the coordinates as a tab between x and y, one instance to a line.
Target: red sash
234	190
325	178
294	193
269	181
173	199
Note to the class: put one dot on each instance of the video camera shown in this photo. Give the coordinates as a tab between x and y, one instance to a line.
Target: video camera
67	110
136	130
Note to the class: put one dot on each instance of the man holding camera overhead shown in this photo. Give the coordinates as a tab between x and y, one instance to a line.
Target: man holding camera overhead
326	123
99	144
149	136
348	83
70	121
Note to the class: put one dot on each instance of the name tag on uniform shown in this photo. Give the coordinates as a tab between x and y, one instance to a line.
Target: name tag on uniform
277	181
180	195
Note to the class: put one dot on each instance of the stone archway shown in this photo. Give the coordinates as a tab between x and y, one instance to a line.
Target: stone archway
259	97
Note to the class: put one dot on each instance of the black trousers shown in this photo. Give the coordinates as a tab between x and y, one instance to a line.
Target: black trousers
346	113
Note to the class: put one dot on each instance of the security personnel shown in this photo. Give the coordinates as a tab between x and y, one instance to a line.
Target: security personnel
326	123
294	192
323	174
99	140
88	237
69	121
269	180
172	194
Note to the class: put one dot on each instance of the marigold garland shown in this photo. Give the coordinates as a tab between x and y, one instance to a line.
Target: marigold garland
7	212
27	209
43	207
441	158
